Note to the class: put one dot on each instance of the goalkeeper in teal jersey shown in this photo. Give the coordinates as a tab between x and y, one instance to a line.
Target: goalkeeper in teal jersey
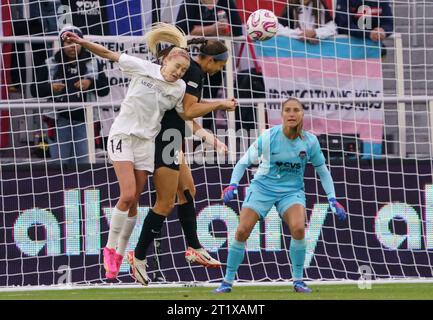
282	153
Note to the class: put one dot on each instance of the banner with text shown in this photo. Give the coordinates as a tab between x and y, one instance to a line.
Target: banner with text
334	68
55	223
117	80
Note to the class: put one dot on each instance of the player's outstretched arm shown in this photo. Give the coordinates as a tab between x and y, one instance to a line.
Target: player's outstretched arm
95	48
328	186
249	158
208	137
194	109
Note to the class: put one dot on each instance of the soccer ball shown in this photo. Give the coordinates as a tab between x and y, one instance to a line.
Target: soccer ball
262	25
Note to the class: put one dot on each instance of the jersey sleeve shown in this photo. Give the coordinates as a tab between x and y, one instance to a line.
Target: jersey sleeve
249	158
193	81
326	181
179	105
316	155
134	66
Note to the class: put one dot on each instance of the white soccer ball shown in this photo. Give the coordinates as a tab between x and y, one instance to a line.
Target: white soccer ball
262	25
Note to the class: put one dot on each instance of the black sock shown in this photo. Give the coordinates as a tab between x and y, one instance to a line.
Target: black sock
151	229
188	221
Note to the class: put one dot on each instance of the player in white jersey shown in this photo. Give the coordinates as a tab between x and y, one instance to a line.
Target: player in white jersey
153	90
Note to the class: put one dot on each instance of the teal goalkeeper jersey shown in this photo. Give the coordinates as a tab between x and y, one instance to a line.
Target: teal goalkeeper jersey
281	160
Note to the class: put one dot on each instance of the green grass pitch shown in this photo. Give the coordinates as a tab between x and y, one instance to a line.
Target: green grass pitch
396	291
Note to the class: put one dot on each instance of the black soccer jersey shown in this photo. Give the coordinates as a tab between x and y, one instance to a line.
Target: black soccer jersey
194	79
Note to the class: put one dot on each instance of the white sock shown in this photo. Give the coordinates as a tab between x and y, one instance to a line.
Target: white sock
125	234
117	221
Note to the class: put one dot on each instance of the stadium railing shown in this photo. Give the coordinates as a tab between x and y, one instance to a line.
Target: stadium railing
400	99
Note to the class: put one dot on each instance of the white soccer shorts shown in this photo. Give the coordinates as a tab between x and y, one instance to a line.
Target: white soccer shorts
141	152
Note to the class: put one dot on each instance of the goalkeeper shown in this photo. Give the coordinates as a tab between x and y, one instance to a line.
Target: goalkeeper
284	151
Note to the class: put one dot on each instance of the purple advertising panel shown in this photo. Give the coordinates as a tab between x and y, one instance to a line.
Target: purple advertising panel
54	225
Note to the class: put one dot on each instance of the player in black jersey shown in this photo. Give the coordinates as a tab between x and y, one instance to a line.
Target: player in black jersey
172	176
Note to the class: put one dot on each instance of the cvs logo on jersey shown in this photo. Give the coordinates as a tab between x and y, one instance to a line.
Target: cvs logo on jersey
288	165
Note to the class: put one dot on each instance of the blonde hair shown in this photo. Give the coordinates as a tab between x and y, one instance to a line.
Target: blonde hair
164	32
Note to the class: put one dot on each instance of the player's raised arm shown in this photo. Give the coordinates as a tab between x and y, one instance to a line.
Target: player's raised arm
95	48
194	108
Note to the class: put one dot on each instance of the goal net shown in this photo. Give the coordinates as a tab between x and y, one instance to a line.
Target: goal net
368	103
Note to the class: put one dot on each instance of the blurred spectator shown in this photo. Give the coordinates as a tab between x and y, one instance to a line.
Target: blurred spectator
43	21
210	18
365	19
307	20
45	12
91	15
19	28
71	75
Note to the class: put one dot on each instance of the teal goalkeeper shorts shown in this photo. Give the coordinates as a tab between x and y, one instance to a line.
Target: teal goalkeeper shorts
261	201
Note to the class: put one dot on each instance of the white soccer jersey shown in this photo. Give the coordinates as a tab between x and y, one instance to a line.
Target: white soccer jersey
149	96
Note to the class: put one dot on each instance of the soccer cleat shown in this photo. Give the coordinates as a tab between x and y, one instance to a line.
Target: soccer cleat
300	286
201	256
138	268
118	261
115	271
109	262
224	287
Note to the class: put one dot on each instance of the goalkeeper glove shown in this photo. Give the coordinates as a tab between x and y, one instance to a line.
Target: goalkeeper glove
337	209
229	192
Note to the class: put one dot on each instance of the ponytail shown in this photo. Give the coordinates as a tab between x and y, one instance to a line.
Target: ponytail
202	41
164	32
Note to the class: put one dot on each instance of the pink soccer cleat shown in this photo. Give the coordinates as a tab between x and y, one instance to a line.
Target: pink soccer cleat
118	262
110	263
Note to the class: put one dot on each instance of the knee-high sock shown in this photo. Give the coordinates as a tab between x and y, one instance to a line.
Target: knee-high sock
151	229
234	259
125	234
188	221
117	221
297	252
